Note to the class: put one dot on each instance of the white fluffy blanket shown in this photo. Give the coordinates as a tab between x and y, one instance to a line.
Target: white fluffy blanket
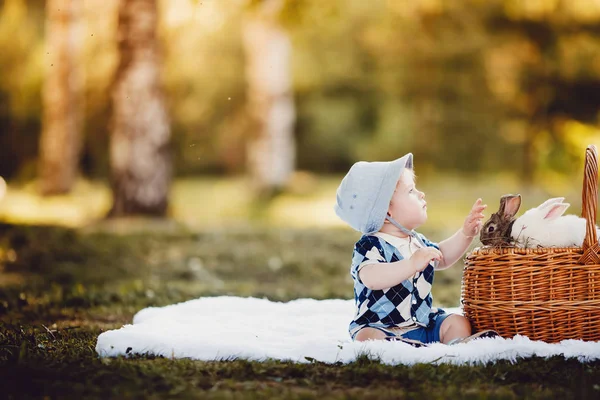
217	328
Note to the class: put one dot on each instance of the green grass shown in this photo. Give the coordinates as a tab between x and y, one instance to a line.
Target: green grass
60	288
215	202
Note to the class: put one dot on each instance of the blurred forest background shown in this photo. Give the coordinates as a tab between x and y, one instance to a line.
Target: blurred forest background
197	108
214	134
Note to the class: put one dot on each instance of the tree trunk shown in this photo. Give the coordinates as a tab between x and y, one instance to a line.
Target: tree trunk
139	150
271	148
60	140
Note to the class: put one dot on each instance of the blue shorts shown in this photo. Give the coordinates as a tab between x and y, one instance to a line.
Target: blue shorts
428	334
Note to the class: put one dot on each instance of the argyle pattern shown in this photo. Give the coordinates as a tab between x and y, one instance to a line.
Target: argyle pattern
405	304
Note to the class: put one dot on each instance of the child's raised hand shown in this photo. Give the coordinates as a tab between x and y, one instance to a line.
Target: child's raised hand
474	220
423	256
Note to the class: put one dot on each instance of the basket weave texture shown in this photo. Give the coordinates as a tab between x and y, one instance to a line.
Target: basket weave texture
548	294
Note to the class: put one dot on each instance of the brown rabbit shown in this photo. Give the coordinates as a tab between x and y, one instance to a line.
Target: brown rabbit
496	231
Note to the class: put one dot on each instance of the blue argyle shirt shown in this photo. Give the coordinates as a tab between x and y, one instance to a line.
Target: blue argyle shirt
406	304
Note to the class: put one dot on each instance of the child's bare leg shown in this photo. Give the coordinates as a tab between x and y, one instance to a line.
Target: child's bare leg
370	334
455	326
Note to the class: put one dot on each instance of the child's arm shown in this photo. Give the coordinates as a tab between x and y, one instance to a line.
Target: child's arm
379	276
456	245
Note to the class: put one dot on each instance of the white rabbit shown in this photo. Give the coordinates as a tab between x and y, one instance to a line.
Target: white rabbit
544	226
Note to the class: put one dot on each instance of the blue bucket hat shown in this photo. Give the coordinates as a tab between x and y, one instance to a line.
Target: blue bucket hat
364	196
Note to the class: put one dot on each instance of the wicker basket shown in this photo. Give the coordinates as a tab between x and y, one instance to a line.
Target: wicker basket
548	294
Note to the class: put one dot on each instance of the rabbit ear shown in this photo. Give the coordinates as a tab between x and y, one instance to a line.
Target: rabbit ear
549	202
512	206
509	205
556	211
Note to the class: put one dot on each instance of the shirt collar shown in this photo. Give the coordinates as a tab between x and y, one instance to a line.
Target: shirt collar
396	241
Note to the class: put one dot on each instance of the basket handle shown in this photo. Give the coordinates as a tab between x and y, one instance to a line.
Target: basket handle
589	200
